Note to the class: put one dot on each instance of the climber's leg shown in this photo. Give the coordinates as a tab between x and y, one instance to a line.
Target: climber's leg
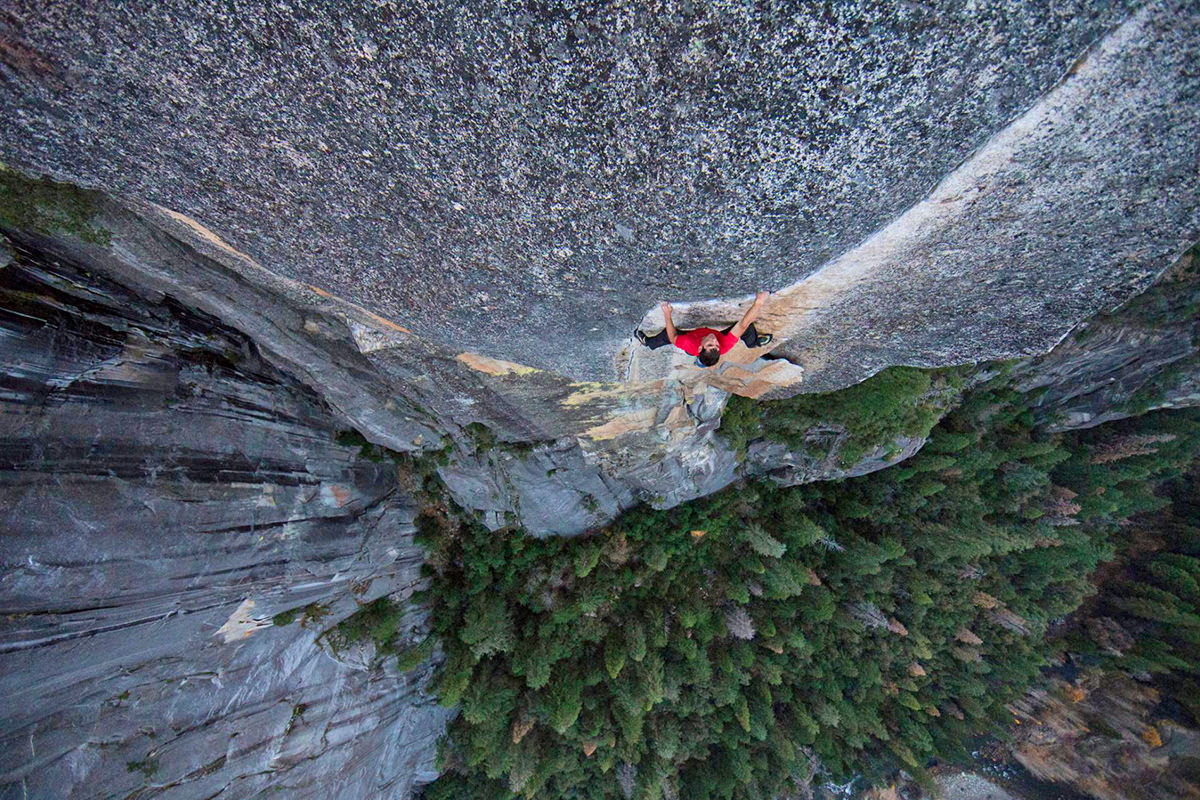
752	338
654	342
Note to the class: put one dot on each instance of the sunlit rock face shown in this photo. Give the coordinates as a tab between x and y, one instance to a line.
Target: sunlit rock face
527	184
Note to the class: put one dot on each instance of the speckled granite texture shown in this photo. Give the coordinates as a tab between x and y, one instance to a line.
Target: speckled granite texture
469	169
1072	209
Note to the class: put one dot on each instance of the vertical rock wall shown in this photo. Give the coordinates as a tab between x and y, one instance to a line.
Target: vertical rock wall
164	493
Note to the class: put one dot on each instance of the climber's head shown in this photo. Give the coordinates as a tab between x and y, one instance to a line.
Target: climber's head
710	351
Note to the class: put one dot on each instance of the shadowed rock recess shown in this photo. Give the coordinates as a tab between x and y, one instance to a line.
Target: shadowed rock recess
312	233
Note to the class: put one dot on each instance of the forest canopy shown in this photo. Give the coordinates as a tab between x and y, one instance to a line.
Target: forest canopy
733	646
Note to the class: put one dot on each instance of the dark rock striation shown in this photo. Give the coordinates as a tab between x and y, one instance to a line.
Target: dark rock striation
165	491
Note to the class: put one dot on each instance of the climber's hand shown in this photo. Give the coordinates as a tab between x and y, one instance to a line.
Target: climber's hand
668	323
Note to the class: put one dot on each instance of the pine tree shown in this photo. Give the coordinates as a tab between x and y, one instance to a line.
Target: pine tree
873	621
488	626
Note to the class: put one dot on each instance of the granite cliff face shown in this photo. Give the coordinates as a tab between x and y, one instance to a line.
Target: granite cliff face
1145	355
173	480
165	492
468	169
389	195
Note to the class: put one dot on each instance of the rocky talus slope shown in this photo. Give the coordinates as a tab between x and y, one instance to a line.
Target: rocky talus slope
1100	735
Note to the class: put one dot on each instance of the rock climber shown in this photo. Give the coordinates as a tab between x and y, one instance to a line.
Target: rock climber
706	344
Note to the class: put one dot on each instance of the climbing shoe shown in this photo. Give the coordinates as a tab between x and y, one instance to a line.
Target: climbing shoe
764	339
641	337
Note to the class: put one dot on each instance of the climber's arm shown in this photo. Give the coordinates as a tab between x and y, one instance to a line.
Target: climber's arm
670	323
760	299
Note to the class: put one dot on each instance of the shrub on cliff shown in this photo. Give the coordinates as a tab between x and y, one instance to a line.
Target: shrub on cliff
899	401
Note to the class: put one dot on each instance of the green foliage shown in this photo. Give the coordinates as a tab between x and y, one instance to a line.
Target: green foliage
614	660
414	657
148	766
45	206
585	561
741	423
483	436
762	542
645	661
367	449
312	613
488	626
377	621
1147	618
899	401
284	618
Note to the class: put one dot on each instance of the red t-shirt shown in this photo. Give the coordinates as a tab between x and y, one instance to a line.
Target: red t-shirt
690	342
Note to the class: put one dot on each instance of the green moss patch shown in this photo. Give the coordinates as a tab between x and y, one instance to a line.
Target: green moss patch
45	206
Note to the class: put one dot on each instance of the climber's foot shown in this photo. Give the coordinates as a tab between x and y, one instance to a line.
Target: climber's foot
641	337
764	339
